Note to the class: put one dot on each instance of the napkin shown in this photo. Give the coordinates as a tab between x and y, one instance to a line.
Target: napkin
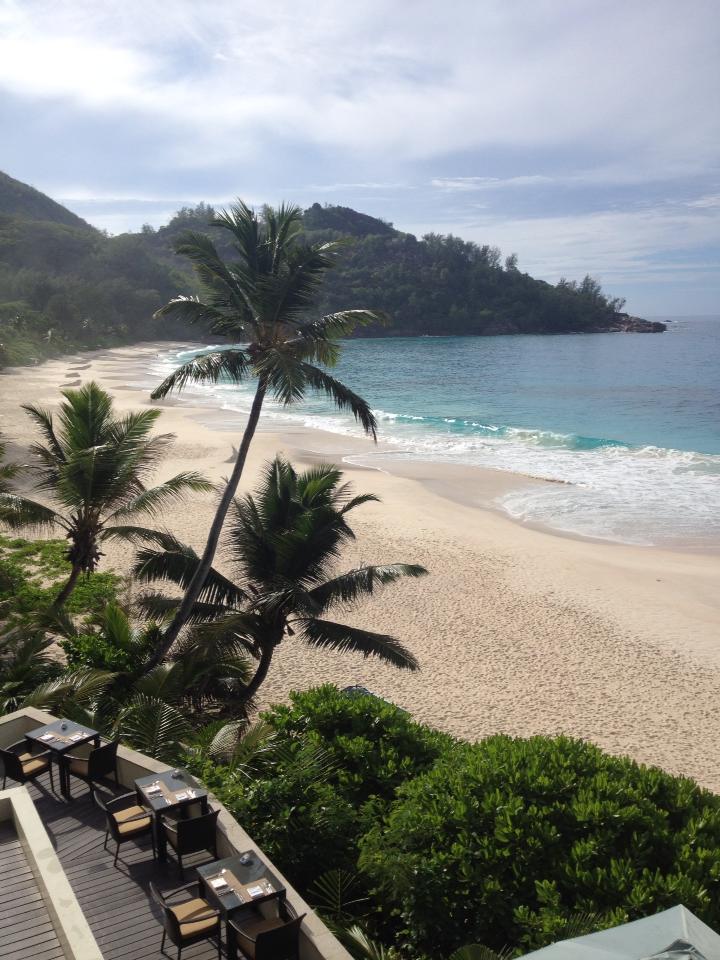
256	891
48	736
219	883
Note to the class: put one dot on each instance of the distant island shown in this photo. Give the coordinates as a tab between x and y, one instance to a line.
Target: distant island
65	285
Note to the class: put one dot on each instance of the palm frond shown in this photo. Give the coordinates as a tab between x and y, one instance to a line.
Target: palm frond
191	310
340	895
77	687
44	420
363	947
178	566
19	512
361	582
343	638
343	397
165	494
208	368
154	727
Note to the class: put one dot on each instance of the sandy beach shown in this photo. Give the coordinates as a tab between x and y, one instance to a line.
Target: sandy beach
518	630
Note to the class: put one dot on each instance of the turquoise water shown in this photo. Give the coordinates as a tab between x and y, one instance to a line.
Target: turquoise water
629	422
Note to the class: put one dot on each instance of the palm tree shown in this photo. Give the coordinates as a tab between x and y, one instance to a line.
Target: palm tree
94	465
261	300
284	543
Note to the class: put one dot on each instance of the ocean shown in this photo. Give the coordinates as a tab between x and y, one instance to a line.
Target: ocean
629	423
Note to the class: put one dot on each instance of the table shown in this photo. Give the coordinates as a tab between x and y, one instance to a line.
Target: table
167	800
245	870
59	737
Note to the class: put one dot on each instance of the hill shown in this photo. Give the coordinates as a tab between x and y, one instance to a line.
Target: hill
20	200
65	285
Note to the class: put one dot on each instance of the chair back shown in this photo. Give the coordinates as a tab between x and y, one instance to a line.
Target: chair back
281	943
102	760
197	833
12	766
170	922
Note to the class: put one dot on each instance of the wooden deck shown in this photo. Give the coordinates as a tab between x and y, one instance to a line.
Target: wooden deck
115	900
26	929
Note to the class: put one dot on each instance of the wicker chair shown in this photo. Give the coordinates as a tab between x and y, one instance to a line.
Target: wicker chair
265	938
99	763
191	835
126	820
22	765
187	921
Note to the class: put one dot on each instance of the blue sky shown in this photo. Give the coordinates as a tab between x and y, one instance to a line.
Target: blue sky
582	134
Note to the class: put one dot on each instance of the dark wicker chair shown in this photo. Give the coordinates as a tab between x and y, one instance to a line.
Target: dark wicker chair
260	937
98	764
21	764
187	921
191	835
126	820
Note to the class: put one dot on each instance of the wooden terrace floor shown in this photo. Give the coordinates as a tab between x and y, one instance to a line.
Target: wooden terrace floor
26	929
115	900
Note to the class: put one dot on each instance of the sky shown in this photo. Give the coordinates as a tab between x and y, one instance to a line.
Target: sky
583	135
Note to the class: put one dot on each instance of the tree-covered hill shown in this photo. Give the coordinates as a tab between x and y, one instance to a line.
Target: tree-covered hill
65	285
21	200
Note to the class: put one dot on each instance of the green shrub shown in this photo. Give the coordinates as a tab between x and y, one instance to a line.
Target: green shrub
334	767
376	746
502	841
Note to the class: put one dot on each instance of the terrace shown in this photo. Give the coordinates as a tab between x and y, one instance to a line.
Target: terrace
62	896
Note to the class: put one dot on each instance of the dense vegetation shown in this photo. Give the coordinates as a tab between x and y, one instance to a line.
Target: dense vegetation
65	285
440	843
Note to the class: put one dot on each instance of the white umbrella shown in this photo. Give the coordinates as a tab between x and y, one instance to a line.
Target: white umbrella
674	934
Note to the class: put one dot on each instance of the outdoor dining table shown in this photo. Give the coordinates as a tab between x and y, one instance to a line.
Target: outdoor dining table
59	737
239	880
172	791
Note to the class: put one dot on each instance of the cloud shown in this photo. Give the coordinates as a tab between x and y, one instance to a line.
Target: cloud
465	184
232	78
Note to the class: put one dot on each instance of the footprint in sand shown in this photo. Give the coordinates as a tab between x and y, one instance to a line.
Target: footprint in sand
80	366
71	383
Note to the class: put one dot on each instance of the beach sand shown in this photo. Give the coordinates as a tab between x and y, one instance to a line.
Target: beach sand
517	630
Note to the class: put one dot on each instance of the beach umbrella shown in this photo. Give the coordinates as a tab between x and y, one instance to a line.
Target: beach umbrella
674	934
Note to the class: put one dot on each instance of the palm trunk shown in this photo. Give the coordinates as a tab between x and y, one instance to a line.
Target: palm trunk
68	588
265	659
200	575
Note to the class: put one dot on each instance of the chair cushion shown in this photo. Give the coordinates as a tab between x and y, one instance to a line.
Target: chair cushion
126	825
33	766
185	912
79	766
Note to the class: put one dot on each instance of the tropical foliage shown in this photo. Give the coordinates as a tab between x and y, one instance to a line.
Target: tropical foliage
94	466
283	543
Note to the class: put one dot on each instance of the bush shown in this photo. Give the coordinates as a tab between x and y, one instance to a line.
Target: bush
502	841
375	745
336	762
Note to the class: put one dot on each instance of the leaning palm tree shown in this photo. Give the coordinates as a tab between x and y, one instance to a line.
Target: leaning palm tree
284	543
262	300
93	465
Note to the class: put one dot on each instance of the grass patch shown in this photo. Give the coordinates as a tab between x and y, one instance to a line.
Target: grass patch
32	573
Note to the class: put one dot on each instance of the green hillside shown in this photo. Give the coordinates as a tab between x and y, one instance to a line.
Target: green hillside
20	200
65	285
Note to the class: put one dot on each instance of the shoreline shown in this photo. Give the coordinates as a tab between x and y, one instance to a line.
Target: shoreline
518	630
